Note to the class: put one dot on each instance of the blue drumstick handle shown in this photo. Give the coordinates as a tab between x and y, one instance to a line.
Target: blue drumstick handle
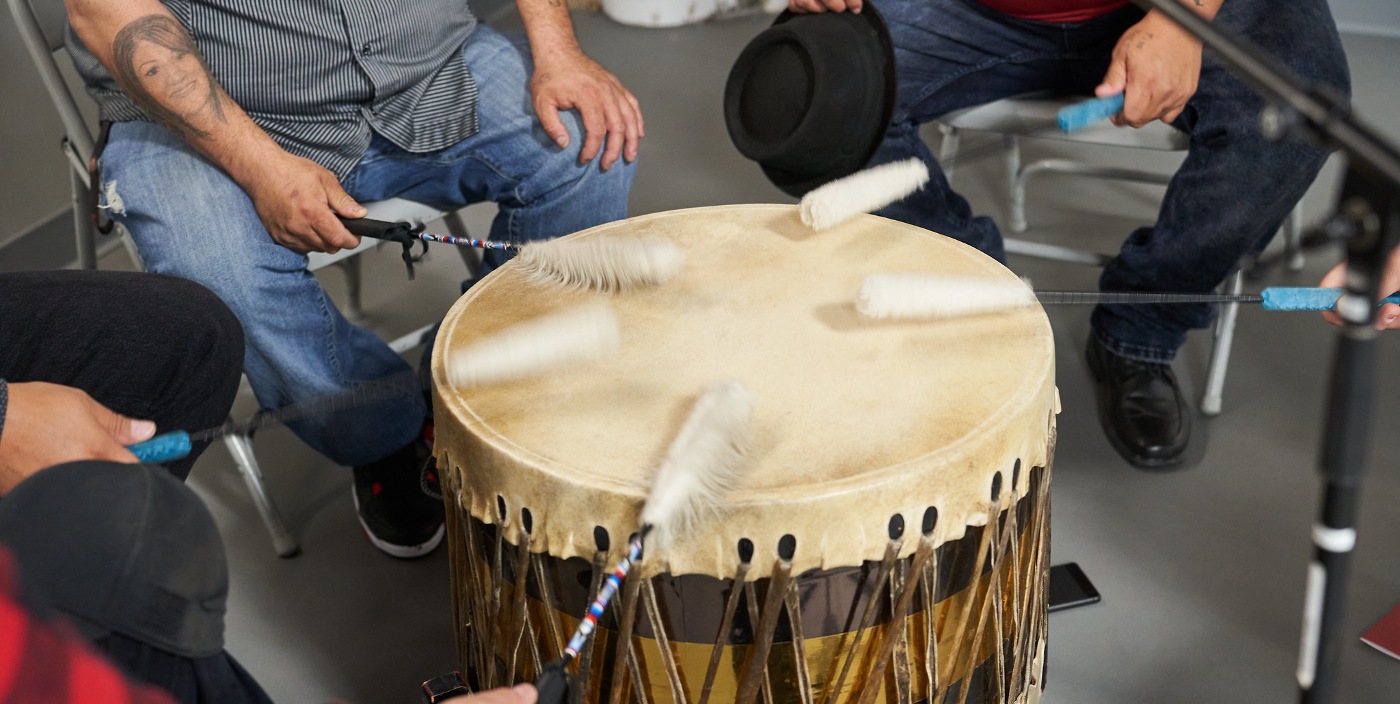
1073	118
162	448
1290	298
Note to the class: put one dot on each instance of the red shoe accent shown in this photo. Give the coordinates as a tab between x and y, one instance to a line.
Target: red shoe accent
375	488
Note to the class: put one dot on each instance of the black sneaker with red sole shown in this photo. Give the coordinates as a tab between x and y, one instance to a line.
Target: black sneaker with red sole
399	503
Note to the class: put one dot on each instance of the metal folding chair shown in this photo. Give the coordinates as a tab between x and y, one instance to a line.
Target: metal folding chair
1015	118
41	24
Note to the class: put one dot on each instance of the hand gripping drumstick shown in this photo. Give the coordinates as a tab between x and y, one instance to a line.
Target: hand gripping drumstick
911	296
572	336
874	188
605	264
704	463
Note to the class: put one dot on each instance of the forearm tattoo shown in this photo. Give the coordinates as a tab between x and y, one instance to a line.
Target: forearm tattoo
159	66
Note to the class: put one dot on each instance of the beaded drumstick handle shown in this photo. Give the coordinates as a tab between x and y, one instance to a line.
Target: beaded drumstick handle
595	610
405	231
467	241
555	684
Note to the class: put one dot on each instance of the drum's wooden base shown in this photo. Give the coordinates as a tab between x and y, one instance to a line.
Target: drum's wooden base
860	634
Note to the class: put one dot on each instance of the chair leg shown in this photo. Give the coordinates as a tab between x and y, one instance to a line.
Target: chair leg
354	308
1015	184
1220	351
1293	238
82	226
471	256
948	150
242	451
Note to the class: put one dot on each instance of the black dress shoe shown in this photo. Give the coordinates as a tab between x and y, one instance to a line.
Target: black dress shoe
1141	408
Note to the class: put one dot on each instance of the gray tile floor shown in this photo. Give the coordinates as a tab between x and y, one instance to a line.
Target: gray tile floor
1201	571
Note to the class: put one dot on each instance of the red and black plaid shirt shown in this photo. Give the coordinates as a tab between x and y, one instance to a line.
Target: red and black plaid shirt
46	662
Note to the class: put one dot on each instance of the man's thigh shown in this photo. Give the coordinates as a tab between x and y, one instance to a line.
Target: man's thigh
188	218
952	54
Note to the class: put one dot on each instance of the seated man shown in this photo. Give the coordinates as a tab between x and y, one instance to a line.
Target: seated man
242	128
91	362
123	552
1226	200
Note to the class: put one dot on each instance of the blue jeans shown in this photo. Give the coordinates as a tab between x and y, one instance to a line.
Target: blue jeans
191	220
1227	199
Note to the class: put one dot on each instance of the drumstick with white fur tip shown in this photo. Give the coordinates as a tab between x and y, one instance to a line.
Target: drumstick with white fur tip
903	296
605	264
862	192
567	337
910	296
573	336
704	463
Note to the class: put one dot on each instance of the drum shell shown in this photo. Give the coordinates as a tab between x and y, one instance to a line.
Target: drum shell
831	604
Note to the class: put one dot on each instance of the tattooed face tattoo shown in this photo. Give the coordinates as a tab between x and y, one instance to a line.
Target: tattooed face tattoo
159	66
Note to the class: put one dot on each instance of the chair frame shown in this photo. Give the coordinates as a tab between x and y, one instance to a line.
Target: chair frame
1014	117
41	28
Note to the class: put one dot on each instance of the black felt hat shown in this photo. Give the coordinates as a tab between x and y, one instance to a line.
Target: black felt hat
810	97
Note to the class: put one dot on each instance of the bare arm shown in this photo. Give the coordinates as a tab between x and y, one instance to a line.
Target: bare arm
156	62
1157	66
565	78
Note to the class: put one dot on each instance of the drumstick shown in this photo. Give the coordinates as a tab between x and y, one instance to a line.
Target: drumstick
704	463
861	192
528	348
605	264
874	188
567	337
899	296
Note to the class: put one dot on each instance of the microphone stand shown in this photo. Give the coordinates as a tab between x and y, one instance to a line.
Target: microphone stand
1369	221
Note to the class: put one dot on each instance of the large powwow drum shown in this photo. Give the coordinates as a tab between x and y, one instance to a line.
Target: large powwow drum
890	542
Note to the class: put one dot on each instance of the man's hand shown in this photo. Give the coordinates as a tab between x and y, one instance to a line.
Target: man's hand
1157	66
298	201
804	6
1388	317
611	114
49	424
519	694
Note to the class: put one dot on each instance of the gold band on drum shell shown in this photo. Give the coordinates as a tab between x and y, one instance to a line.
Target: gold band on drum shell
929	662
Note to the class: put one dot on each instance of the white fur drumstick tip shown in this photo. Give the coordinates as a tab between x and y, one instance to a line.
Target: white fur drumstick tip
861	192
703	464
605	264
555	340
906	296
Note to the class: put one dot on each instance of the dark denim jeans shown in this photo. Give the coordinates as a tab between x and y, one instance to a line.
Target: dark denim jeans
1229	196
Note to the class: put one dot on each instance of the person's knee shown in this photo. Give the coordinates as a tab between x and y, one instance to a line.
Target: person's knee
212	328
212	338
121	548
586	193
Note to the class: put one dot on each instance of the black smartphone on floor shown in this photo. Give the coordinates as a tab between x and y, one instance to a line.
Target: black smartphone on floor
1069	587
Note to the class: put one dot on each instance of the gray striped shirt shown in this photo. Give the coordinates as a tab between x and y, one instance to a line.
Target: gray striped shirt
321	75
